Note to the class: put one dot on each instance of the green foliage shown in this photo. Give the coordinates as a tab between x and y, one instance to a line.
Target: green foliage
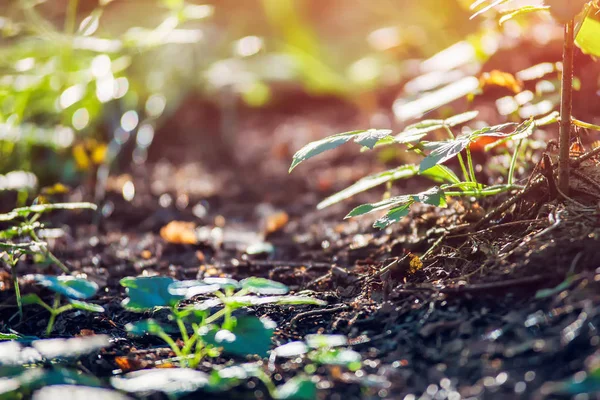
211	331
72	288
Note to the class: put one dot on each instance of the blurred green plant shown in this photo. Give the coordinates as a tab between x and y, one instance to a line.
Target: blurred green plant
21	237
75	290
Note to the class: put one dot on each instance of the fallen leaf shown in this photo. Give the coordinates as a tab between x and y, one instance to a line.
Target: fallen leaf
179	232
502	79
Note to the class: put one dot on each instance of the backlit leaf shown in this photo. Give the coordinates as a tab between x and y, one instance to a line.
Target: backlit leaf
520	11
443	151
393	216
263	286
367	138
587	38
297	388
251	335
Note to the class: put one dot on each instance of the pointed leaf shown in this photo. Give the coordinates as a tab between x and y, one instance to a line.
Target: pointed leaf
263	286
381	205
42	208
366	138
443	151
434	196
393	216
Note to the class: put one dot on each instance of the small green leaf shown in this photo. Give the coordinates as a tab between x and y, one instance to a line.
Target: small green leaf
146	326
251	335
82	305
381	205
343	357
172	381
297	388
393	216
31	298
68	286
508	15
148	292
443	151
434	196
587	38
263	286
564	285
366	138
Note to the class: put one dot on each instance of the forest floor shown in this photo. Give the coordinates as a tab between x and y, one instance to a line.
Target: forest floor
475	320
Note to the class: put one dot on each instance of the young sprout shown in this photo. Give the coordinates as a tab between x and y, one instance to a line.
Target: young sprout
75	290
209	326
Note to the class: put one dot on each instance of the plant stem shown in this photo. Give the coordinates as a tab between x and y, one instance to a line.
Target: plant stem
53	314
15	279
513	163
471	168
566	97
49	254
460	158
71	17
183	330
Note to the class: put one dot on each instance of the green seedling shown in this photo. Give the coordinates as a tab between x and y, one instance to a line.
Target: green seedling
434	154
75	290
181	381
207	327
21	238
576	17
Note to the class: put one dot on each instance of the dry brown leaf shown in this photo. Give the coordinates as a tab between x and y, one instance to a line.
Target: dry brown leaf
179	232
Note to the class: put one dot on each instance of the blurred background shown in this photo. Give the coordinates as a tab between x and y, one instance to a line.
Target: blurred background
197	98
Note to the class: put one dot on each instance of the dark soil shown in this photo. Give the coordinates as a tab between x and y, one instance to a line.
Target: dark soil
465	325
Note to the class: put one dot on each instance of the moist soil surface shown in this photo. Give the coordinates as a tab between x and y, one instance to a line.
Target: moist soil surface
472	321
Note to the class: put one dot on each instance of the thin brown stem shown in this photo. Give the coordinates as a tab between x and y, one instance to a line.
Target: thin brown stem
565	109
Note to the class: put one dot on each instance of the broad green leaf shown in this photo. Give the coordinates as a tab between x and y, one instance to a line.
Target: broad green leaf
69	348
319	341
42	208
68	286
520	11
82	305
291	349
522	131
251	335
587	39
443	151
171	381
189	289
297	388
393	216
146	293
143	327
248	301
367	138
492	131
263	286
343	357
